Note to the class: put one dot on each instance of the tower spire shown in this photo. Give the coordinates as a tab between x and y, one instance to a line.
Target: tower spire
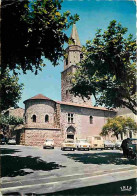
74	36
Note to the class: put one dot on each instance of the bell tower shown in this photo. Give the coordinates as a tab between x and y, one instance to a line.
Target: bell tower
73	56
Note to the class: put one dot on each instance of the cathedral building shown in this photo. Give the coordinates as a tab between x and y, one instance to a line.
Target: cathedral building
72	117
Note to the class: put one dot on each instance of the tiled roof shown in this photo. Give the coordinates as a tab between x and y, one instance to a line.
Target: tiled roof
39	96
84	106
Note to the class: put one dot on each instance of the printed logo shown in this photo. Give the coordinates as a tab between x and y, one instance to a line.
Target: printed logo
126	188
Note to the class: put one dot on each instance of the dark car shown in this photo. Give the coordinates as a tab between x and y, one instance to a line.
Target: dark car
2	140
132	146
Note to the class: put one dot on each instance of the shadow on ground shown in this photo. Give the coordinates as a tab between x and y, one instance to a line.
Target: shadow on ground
101	158
109	189
8	151
125	188
12	166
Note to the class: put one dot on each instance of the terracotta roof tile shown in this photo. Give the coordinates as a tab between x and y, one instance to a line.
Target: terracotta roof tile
39	96
84	106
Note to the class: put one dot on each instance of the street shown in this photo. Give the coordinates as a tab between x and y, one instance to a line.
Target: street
27	170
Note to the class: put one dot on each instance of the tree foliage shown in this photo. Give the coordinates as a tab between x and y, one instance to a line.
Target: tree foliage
118	125
108	70
6	121
32	30
10	120
10	90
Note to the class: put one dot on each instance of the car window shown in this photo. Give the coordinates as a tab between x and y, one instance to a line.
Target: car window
97	138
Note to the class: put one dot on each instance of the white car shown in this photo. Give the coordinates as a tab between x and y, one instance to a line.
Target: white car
68	144
118	144
82	144
12	141
109	144
49	143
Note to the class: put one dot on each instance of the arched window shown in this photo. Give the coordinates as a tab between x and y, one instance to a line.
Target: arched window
81	57
67	61
34	118
46	118
91	119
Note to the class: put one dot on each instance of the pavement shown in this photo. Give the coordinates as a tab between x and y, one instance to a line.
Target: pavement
36	170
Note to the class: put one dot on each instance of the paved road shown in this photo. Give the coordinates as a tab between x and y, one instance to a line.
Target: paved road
33	169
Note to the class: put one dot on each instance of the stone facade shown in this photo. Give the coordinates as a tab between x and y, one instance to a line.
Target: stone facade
36	137
74	55
66	120
81	120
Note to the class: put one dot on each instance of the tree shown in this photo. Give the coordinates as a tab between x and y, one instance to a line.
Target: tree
119	125
6	121
108	70
32	30
10	91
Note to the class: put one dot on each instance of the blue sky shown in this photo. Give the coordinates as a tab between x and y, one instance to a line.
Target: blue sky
93	15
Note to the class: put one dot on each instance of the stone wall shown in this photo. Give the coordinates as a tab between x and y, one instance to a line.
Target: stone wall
82	120
40	108
36	137
66	86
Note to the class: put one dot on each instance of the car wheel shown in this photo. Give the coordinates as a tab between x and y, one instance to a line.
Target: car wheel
52	147
112	148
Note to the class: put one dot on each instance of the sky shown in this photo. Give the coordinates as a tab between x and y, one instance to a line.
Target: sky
93	15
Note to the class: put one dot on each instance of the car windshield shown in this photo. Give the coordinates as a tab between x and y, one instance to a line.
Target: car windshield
108	141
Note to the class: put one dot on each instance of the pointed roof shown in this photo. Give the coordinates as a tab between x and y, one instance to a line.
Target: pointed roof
74	35
39	96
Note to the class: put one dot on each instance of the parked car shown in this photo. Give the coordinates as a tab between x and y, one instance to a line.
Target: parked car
109	144
68	144
2	140
96	142
12	141
49	143
132	148
82	144
118	144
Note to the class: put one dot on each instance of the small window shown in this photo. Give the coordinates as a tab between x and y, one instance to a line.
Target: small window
34	118
91	119
70	118
81	56
67	61
46	118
